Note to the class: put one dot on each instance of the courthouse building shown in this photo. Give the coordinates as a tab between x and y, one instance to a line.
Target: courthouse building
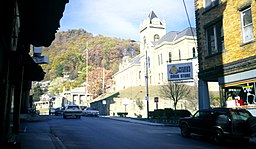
175	49
170	56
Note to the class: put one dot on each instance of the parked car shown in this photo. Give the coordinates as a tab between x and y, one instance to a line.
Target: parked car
52	111
59	111
83	107
218	123
91	112
72	111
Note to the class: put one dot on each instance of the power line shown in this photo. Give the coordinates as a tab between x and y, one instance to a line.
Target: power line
185	7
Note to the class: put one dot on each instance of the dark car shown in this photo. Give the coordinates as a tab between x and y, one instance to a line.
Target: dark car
59	111
218	123
252	111
52	111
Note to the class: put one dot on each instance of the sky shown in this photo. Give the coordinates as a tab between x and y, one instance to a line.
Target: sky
122	18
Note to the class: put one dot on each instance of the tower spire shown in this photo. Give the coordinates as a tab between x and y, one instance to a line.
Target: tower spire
152	15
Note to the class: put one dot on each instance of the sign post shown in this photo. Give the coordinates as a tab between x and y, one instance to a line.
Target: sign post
156	101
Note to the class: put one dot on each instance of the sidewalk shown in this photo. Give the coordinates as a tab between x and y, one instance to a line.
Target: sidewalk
34	133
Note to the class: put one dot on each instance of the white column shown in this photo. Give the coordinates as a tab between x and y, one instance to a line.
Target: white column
203	95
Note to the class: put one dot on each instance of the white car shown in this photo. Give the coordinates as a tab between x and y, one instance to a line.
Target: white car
91	112
72	111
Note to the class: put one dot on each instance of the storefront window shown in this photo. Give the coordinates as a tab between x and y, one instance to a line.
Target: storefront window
240	95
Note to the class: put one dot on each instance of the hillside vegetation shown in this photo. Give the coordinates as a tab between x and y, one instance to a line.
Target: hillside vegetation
68	55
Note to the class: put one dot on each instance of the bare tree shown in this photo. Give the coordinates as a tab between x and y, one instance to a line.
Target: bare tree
174	92
214	99
193	98
139	103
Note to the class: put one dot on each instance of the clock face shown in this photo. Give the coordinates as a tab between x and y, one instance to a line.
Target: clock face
173	69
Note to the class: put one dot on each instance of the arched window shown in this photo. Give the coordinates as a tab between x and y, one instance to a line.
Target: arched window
156	37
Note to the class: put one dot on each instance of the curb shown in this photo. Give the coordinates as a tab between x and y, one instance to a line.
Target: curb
131	120
33	118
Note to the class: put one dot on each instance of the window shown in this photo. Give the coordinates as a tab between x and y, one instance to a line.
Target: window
247	28
200	114
158	59
161	58
170	57
215	38
156	37
148	62
144	41
194	52
210	3
179	56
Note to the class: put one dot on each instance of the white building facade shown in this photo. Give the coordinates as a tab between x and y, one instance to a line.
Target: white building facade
129	73
162	49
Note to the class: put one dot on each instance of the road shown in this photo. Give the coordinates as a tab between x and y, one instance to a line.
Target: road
105	133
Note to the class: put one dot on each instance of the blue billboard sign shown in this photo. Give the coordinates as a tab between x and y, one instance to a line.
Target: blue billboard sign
179	71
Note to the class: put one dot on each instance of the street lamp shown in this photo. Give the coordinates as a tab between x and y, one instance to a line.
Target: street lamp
146	76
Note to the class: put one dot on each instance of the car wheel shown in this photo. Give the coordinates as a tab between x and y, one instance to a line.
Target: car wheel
218	136
185	132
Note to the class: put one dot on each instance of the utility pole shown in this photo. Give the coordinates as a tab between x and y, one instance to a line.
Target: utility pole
103	79
146	78
145	45
87	62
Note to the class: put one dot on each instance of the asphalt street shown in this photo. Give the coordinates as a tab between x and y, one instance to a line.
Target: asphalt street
110	133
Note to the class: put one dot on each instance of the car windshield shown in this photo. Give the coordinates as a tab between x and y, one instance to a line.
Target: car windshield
252	111
91	109
73	107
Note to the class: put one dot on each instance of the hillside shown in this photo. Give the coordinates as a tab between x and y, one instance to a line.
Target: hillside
67	55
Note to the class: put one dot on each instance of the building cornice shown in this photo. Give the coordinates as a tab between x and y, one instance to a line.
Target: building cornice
230	68
174	42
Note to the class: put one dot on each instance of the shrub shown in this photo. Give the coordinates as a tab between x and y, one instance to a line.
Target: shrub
168	113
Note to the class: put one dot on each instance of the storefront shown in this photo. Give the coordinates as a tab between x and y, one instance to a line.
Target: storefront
238	90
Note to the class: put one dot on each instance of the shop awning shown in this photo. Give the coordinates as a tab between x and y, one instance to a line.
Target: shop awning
39	20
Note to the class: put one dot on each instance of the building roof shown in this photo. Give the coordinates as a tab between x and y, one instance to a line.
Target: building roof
175	35
152	15
135	60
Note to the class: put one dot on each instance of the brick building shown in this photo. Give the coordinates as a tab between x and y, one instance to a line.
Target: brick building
226	32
